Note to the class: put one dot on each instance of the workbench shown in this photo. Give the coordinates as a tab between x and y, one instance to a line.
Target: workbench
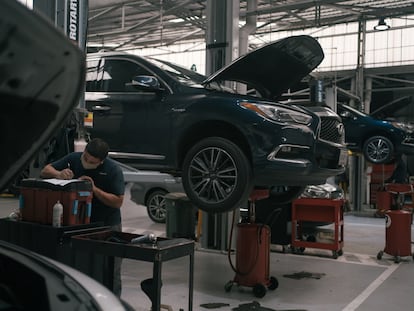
104	242
327	211
49	241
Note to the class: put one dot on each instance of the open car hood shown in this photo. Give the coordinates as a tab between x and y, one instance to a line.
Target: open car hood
400	109
41	78
275	67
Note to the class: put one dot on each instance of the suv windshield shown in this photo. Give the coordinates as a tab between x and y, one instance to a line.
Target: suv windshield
357	112
185	76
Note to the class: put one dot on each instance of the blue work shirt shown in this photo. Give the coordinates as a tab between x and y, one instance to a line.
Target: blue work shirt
108	176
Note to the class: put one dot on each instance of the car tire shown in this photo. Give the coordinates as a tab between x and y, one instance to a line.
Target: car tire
378	150
156	208
216	175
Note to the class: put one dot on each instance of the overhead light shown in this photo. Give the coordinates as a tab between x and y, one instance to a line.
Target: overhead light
382	25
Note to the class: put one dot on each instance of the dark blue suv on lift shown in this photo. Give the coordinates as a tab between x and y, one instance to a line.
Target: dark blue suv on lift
222	142
379	140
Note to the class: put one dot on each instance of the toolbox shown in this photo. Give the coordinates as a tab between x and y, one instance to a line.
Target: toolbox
38	196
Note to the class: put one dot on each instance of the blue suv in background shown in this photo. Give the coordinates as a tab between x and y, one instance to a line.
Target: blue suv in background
380	141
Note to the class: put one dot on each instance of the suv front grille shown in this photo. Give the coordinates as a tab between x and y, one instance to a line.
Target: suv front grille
332	130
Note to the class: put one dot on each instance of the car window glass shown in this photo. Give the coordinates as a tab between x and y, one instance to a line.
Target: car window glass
184	75
114	75
355	112
92	75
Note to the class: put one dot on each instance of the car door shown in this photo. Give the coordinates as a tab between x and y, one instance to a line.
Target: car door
355	126
131	120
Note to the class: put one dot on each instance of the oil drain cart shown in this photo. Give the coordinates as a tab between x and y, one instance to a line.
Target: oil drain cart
253	252
398	223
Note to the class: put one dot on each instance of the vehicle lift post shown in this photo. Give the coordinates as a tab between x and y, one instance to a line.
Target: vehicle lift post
253	252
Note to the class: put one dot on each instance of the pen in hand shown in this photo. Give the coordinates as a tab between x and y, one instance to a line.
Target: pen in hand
69	173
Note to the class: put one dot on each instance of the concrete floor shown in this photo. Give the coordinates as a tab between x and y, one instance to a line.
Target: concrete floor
354	281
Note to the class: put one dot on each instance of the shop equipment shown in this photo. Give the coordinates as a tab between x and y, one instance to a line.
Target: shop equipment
113	244
378	196
398	224
278	216
38	196
317	211
253	252
54	242
180	216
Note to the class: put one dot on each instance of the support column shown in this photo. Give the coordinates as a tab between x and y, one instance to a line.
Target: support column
222	46
222	35
69	15
358	162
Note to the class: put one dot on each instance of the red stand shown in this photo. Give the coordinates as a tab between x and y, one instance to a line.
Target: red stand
253	253
398	224
318	210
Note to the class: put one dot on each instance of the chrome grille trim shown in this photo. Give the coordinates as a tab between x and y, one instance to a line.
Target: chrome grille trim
332	131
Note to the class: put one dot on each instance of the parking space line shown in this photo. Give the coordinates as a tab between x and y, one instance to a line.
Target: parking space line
371	288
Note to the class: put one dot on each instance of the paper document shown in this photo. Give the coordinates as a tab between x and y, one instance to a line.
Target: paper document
60	182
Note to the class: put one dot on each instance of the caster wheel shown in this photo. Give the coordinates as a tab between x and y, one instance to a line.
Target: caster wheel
228	286
379	255
334	254
274	283
259	290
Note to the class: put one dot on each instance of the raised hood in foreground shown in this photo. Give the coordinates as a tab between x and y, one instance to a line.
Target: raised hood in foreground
275	67
41	78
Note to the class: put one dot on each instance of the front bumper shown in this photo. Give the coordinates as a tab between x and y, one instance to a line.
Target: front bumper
302	166
407	146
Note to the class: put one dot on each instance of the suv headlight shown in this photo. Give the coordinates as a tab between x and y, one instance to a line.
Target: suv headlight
403	126
279	114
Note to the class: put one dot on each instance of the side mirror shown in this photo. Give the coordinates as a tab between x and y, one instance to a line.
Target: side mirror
149	83
345	114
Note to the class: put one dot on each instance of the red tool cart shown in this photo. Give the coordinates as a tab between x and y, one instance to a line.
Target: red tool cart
398	223
329	211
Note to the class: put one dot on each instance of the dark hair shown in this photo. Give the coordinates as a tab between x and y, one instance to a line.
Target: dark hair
97	148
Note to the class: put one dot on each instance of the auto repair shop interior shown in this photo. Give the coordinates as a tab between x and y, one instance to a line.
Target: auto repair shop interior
266	149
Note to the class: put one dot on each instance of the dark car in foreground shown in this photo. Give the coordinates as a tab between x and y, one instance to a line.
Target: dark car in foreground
378	140
158	116
29	281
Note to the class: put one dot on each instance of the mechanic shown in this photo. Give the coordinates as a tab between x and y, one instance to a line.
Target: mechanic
108	186
400	174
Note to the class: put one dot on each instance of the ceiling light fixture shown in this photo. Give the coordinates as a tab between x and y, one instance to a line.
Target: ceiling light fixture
382	25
